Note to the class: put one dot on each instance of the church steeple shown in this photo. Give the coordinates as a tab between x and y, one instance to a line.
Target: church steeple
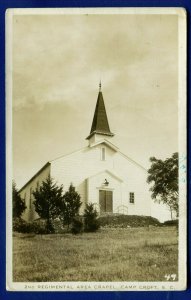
100	125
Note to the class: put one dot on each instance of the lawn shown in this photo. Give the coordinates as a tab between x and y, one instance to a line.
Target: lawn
121	254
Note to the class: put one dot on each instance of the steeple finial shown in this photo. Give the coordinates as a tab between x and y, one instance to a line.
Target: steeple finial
100	86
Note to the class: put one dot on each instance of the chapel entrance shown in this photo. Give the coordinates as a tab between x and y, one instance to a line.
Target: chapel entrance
106	201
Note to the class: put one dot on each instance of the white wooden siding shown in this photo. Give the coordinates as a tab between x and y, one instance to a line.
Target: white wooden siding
86	171
78	167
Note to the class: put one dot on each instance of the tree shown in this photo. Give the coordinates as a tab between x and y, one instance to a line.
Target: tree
47	201
164	176
91	222
70	205
18	203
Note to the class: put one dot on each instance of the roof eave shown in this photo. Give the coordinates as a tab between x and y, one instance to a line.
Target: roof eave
108	143
36	174
99	132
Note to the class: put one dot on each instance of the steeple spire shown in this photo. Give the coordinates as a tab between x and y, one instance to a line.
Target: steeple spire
100	123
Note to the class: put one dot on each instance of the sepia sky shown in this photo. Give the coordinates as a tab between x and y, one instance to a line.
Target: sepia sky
58	61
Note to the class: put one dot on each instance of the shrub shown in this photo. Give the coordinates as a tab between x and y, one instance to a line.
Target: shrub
77	226
70	206
47	201
171	223
22	226
40	226
126	221
91	222
39	229
58	226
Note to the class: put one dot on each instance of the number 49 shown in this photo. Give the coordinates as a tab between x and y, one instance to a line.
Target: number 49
170	277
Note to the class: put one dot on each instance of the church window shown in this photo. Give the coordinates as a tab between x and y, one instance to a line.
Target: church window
30	200
102	153
25	198
37	185
132	198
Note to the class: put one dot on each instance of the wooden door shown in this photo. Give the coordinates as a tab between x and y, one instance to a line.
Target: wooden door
109	201
106	201
102	201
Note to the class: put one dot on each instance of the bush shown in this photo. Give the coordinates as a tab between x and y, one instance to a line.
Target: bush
58	226
126	221
70	205
77	226
91	222
40	226
22	226
171	223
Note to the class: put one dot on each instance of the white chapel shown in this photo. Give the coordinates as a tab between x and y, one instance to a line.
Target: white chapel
100	172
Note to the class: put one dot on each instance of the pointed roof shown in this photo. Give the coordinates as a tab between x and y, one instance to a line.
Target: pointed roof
100	123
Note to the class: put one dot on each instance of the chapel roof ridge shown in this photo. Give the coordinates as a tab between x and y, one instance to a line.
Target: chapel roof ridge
67	154
132	160
35	175
102	141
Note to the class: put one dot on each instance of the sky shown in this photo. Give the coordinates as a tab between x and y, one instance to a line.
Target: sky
58	61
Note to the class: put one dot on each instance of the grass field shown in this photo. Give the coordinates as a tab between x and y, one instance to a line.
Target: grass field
133	254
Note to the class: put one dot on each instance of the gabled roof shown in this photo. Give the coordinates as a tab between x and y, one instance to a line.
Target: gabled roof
110	172
132	161
100	123
103	141
35	175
